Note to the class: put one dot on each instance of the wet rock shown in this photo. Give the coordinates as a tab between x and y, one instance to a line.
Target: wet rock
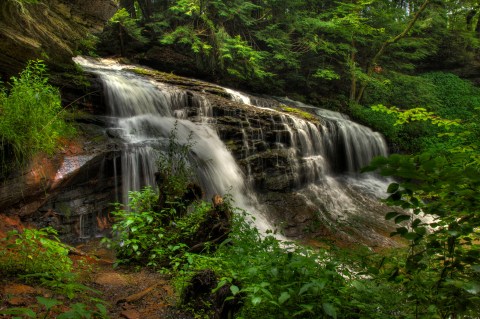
49	29
115	133
9	223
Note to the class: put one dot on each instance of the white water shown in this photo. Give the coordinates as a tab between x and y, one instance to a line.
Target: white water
324	159
327	161
146	113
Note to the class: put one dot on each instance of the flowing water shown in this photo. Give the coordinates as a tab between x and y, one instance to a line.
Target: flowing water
324	158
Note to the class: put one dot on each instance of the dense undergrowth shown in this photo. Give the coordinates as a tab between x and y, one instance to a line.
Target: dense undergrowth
31	117
444	94
272	279
436	276
38	257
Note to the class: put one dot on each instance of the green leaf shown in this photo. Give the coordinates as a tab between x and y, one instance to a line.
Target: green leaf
256	300
393	187
47	302
420	230
234	289
410	236
19	311
401	218
329	309
284	296
102	309
305	288
416	222
471	287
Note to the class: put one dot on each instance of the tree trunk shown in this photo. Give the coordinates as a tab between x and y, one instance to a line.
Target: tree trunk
353	86
129	5
147	9
386	44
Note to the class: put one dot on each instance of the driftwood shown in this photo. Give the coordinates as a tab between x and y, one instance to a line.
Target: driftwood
137	296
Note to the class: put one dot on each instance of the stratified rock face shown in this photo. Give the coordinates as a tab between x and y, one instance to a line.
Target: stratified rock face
49	30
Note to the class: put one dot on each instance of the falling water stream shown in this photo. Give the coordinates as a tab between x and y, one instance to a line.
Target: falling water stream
324	158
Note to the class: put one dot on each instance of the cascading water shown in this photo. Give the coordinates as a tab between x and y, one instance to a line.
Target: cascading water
325	160
316	161
144	114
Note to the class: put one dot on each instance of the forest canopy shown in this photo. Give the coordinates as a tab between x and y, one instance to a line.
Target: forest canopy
311	46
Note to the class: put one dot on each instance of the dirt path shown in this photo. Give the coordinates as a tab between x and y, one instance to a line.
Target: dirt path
128	292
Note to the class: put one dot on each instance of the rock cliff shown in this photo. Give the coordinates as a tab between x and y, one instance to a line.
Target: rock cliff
50	30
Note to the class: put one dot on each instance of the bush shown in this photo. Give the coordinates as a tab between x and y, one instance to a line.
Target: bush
458	97
403	91
32	252
30	116
150	236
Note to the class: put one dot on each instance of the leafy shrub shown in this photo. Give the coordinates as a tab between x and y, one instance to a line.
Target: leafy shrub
458	97
403	91
174	166
282	280
440	270
152	237
400	138
47	307
32	252
279	282
30	115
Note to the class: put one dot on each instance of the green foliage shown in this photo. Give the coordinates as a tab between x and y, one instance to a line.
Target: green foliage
150	234
283	280
445	94
401	138
122	18
416	114
403	91
38	256
458	97
276	283
30	116
65	283
300	113
137	228
47	307
440	267
32	252
87	46
152	237
331	46
174	167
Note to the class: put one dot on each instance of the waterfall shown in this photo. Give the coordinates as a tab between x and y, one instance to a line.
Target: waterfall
144	114
325	159
317	161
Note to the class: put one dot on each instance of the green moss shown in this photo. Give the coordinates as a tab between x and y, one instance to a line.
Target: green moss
302	114
181	82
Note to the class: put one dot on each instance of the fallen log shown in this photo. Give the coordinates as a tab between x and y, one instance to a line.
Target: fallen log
137	296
